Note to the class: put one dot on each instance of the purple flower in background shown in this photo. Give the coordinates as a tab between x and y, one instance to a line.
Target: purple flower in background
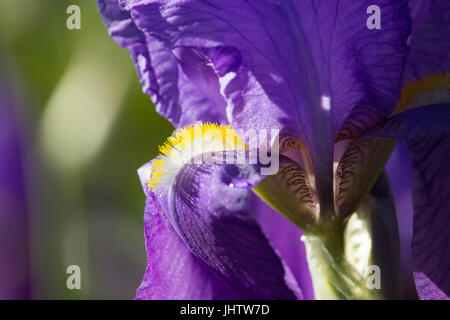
341	95
14	258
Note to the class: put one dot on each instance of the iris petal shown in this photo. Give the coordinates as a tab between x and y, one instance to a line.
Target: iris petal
429	45
292	74
419	11
287	242
175	80
399	169
207	209
208	206
427	135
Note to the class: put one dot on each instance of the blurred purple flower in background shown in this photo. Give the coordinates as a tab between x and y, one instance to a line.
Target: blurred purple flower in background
14	249
313	70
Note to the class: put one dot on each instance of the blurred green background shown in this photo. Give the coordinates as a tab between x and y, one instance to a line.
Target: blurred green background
87	129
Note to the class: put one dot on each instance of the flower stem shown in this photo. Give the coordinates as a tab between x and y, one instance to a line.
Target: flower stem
333	277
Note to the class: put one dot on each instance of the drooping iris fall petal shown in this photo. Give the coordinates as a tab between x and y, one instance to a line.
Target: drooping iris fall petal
214	241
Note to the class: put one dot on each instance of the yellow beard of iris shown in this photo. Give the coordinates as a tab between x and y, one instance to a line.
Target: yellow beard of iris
188	143
432	89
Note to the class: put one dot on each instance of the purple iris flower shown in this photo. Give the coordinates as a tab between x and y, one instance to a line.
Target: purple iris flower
341	93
